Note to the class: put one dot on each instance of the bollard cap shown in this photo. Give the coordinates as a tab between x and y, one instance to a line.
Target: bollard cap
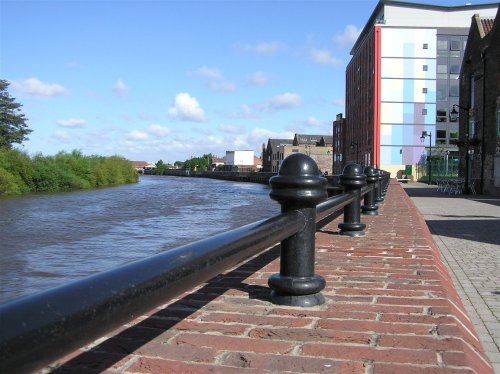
371	174
298	181
352	176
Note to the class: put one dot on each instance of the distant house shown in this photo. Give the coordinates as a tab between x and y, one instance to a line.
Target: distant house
240	160
318	147
272	154
217	162
141	166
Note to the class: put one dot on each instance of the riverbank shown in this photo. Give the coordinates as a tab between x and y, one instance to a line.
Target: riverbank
237	176
22	174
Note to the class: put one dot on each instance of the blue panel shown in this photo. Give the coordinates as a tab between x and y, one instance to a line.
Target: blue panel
408	90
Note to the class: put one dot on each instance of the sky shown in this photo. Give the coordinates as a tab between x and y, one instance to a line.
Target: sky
169	80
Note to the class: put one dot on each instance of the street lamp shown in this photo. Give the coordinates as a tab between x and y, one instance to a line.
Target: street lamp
422	139
354	144
453	118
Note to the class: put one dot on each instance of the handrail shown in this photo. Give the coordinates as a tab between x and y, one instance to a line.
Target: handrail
38	329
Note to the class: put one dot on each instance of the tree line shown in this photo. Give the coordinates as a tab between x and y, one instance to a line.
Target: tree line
20	173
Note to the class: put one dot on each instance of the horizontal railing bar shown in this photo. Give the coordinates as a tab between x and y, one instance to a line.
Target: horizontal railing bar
332	205
38	329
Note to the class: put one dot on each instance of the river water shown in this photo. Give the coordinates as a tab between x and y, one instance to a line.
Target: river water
51	239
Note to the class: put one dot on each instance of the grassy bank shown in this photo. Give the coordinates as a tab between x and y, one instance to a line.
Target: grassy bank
20	173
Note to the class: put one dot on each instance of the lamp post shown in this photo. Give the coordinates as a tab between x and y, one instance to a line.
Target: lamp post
354	144
453	118
422	139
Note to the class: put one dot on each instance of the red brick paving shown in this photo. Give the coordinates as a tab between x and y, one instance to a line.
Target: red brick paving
391	308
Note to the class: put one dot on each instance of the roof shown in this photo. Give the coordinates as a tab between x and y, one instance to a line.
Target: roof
274	143
139	164
485	25
301	139
375	16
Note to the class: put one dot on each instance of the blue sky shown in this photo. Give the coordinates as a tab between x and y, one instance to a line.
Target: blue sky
151	80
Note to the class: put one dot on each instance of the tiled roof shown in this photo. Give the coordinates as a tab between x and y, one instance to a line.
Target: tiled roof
487	24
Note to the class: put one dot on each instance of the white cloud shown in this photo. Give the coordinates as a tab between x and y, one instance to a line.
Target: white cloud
284	101
324	57
186	108
221	86
71	122
264	48
159	130
34	86
137	135
347	37
258	78
312	121
120	88
206	72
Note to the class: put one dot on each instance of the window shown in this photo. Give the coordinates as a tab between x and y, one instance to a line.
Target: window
453	137
472	128
441	115
454	89
471	92
455	45
426	46
441	136
455	69
442	69
424	90
498	122
424	112
425	68
442	45
441	92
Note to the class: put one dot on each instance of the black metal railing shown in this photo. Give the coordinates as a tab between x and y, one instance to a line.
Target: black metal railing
38	329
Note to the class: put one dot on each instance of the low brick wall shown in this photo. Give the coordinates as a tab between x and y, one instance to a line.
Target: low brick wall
391	308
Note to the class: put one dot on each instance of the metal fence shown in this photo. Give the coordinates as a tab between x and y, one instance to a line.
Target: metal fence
37	330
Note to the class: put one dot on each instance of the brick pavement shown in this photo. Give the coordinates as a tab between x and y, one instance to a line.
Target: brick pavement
390	308
466	230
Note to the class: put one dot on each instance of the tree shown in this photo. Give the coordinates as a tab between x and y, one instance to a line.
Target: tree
13	126
160	167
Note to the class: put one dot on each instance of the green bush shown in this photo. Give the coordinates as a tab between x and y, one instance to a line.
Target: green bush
63	172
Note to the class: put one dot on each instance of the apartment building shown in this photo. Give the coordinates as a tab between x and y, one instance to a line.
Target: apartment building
403	79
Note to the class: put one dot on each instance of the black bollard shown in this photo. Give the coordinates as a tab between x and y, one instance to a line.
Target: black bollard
379	198
298	186
387	180
353	180
370	208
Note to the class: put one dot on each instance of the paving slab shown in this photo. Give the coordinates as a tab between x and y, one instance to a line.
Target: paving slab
466	229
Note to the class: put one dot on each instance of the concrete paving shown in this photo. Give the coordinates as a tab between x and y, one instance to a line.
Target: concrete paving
467	232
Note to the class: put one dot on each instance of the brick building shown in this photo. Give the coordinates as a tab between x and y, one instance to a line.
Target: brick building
479	109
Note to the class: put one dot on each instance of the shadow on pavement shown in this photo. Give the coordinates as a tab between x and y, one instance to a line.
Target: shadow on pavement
477	230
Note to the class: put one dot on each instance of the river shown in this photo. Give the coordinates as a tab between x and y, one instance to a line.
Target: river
51	239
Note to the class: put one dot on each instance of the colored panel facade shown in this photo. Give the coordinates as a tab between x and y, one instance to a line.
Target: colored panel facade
408	92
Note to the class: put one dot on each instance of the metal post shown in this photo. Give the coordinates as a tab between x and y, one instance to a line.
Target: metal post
430	157
298	186
353	180
370	208
467	165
